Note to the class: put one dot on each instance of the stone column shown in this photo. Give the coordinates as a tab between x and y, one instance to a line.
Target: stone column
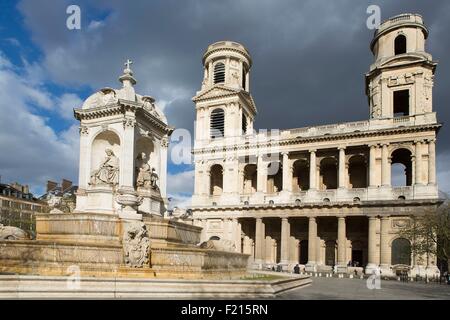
261	182
260	238
312	170
312	241
384	243
342	242
418	162
432	162
287	173
342	168
385	167
237	229
372	264
285	235
372	166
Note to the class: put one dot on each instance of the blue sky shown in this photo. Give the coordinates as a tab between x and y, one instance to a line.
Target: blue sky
46	69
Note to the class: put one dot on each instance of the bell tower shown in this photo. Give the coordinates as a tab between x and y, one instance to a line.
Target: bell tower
400	81
225	108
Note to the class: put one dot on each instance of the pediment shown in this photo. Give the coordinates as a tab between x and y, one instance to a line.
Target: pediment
215	92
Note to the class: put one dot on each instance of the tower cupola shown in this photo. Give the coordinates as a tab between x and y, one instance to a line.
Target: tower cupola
226	63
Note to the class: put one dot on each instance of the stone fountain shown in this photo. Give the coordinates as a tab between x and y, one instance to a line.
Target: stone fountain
118	227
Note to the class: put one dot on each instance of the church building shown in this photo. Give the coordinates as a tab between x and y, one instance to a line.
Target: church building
320	196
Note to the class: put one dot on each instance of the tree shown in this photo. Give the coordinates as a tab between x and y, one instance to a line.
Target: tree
429	233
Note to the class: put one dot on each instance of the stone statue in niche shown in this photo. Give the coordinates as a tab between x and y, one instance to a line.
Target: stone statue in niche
136	245
144	173
108	172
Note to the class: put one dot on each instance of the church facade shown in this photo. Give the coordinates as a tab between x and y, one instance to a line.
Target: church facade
320	196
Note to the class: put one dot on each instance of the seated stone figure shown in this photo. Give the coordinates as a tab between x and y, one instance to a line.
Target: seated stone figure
144	174
108	172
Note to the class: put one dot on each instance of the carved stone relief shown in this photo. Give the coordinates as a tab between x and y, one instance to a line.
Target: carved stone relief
136	245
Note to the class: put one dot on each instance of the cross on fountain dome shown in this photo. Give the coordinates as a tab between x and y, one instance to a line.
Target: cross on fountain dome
127	78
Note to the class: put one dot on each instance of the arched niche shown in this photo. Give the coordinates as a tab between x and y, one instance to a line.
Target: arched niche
103	141
146	152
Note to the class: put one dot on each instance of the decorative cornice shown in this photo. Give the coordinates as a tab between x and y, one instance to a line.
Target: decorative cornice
312	205
321	138
121	108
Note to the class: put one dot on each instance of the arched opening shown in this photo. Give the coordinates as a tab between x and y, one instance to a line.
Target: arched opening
250	178
401	252
328	174
217	123
401	103
105	145
244	76
219	73
274	177
300	175
400	44
401	168
303	252
216	180
357	172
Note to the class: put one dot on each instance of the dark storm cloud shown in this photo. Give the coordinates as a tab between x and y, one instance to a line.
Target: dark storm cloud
309	56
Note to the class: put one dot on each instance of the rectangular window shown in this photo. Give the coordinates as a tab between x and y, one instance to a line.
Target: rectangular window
401	103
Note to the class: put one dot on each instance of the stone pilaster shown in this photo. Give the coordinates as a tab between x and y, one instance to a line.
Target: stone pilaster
432	162
237	234
418	163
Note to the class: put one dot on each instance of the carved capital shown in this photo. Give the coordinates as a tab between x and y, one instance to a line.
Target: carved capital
128	123
84	130
165	142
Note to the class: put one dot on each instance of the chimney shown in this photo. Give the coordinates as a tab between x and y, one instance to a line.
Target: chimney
26	189
65	184
51	185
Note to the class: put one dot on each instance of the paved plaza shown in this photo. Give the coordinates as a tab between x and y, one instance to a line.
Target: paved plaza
356	289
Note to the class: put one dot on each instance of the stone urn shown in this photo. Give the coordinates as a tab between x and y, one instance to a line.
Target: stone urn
129	202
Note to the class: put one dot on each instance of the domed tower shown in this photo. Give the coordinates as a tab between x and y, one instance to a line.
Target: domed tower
400	81
224	105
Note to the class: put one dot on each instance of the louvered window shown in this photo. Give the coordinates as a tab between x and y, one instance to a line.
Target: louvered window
219	73
217	123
